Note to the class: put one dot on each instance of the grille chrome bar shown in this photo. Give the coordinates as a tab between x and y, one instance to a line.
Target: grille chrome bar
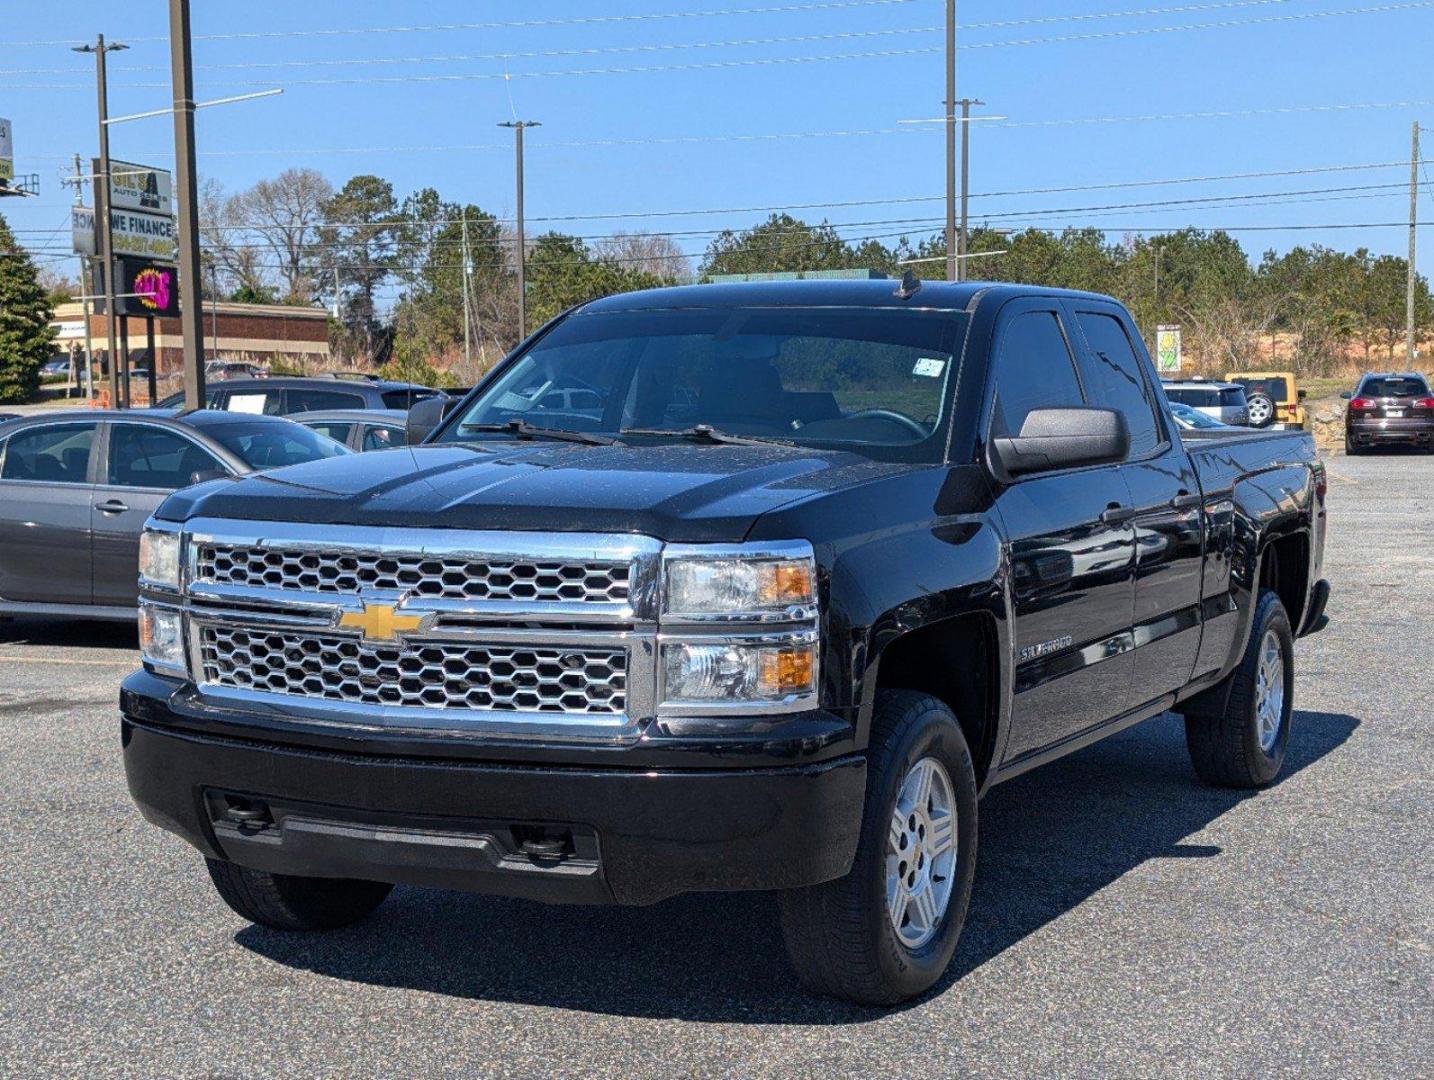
428	674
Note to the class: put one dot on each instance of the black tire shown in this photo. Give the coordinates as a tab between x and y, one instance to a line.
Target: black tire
1269	409
839	937
1352	448
287	902
1222	728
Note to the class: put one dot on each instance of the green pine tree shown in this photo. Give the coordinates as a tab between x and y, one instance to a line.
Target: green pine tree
25	314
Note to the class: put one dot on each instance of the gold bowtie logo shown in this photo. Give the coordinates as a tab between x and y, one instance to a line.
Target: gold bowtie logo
380	622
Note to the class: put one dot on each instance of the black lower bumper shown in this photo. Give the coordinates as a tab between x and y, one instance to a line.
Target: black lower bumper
559	834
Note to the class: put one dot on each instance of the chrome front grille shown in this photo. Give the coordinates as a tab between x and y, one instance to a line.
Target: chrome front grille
418	674
419	575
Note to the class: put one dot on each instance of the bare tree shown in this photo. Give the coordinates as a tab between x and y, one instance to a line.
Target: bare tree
649	252
285	214
227	246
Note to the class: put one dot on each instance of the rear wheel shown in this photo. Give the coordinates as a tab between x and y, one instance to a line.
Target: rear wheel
288	902
1352	448
1237	732
887	930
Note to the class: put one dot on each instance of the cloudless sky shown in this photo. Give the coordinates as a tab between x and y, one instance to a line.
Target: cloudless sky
1283	85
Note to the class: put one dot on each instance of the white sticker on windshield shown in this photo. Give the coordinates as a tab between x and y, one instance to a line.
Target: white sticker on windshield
929	367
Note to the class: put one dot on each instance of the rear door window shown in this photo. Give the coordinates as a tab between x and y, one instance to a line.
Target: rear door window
338	430
1195	397
298	400
1034	370
56	454
1114	378
144	456
383	438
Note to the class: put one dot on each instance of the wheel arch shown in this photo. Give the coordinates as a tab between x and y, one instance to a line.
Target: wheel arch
957	660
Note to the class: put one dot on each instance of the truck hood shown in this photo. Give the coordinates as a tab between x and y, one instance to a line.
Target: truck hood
684	493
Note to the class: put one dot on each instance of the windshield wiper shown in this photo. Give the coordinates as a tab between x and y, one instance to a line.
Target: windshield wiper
523	429
708	434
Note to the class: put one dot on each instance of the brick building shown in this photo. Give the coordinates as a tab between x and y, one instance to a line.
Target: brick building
259	333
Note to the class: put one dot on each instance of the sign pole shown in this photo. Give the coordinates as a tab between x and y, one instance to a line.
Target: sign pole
153	362
187	194
123	364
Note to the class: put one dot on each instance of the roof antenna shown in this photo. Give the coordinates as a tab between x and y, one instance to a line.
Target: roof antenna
910	285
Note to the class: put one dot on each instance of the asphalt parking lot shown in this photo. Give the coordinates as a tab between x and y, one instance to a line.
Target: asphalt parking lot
1126	921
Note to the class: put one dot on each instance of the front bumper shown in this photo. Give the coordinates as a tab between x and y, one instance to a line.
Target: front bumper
559	833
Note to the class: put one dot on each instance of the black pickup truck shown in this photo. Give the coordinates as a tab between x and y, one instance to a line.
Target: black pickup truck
723	587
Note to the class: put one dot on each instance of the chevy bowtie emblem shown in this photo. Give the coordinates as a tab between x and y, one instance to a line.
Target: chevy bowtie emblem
380	622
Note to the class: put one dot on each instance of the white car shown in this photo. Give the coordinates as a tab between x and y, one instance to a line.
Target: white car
1221	400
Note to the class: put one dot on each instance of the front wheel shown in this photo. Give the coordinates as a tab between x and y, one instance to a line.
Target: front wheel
289	902
888	929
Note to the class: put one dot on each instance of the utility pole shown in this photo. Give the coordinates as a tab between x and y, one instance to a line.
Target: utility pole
467	293
1410	346
86	287
103	236
518	126
953	264
191	310
964	237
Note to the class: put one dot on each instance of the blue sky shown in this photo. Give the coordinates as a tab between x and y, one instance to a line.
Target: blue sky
1285	87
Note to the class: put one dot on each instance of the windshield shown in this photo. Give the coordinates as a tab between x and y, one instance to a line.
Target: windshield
1393	386
268	446
872	380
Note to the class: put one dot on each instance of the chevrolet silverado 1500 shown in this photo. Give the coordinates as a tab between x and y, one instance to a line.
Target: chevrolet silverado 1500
725	587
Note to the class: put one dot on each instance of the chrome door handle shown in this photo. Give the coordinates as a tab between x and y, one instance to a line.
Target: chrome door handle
1184	501
1115	514
113	506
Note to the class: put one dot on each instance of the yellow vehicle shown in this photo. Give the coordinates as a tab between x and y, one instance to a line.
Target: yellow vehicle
1271	397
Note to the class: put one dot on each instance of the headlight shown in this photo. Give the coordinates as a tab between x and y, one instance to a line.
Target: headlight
732	674
761	585
159	558
161	638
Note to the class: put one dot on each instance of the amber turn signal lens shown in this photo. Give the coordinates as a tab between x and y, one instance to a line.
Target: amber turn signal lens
786	671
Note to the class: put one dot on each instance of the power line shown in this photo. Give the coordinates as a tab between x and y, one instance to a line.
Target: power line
514	24
679	46
749	62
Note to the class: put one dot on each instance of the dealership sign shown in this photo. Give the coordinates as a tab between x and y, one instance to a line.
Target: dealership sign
140	187
147	236
147	288
7	152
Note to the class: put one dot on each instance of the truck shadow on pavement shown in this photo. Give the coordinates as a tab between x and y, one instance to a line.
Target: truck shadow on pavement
79	633
1049	840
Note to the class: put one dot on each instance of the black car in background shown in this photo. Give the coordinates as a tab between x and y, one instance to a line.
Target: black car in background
360	429
1389	408
77	486
281	396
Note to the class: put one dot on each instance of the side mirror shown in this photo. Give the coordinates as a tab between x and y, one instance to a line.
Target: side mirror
1062	439
1302	394
425	416
1347	395
203	476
